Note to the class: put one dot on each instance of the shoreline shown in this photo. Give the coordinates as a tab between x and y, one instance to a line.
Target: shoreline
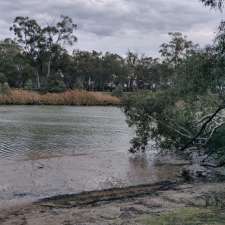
45	177
164	198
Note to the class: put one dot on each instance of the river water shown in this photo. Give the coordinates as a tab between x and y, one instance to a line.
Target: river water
52	150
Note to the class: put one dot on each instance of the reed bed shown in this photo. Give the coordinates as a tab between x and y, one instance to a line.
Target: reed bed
72	97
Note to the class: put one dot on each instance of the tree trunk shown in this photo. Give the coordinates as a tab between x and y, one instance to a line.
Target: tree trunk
49	67
38	80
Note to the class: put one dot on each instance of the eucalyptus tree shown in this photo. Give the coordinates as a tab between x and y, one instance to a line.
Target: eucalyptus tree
113	69
153	113
14	64
42	43
29	36
87	68
176	49
190	113
56	36
132	60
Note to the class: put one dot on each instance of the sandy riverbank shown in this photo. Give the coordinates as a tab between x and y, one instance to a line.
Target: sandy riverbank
164	203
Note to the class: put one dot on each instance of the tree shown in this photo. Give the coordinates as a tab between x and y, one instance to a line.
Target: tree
132	61
176	49
113	69
42	44
189	113
57	35
213	3
29	37
14	64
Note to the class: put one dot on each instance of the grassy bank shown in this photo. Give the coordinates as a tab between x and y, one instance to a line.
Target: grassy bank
189	216
76	98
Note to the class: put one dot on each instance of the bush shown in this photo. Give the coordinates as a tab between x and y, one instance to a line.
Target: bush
216	146
28	85
56	86
4	88
78	84
3	78
118	91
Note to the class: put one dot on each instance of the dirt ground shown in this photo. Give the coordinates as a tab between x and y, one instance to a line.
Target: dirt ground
122	206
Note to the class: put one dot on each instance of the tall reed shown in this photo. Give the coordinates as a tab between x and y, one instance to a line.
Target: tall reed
73	97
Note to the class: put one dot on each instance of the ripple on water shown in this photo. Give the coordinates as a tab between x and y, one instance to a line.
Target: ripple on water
34	132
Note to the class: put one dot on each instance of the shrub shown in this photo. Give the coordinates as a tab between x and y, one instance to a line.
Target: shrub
118	91
4	88
56	86
216	145
78	84
3	78
28	85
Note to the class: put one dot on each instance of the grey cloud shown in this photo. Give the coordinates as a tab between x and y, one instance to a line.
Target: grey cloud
119	24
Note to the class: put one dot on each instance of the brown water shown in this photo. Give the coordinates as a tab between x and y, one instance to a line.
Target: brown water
51	150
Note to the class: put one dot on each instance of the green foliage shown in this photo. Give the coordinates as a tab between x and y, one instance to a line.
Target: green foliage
56	85
3	78
28	85
42	46
38	53
78	84
185	86
155	116
216	145
188	216
177	48
118	91
4	88
189	111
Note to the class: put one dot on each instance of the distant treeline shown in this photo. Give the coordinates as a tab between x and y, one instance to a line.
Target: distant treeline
37	59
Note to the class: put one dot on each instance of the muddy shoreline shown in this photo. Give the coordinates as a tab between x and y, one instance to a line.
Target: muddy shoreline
120	206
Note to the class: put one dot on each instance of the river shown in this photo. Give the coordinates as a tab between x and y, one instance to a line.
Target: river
53	150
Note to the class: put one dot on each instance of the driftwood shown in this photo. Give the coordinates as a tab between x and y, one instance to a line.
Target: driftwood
94	197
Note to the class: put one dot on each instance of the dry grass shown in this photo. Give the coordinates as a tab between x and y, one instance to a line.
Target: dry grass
77	98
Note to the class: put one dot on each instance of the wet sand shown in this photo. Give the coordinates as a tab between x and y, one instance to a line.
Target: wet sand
36	179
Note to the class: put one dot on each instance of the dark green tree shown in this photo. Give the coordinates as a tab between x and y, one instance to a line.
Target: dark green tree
42	44
14	64
191	111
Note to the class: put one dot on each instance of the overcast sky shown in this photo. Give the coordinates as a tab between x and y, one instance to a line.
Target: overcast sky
120	25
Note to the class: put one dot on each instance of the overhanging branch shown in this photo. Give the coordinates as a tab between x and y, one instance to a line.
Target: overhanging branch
202	128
